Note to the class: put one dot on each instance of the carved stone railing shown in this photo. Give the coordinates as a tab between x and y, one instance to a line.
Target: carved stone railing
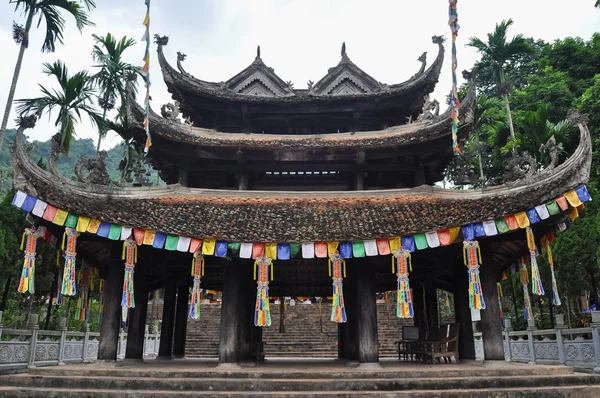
559	346
21	349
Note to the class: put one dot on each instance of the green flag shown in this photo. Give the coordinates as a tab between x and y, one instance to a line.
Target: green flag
420	241
71	220
171	242
115	232
553	208
501	225
358	248
295	249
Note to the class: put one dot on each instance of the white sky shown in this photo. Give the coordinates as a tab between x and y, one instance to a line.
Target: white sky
300	39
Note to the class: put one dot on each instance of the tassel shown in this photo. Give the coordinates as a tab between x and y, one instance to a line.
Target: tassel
472	256
102	289
528	314
29	244
499	287
82	302
337	268
262	313
555	296
197	273
401	259
68	282
130	257
536	280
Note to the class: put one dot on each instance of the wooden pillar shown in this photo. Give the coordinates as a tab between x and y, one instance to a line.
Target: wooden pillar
246	309
419	309
229	341
431	305
466	343
348	332
491	324
111	318
137	316
166	331
366	314
181	317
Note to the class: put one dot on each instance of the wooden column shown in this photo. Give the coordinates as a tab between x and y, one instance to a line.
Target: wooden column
111	318
368	349
419	309
431	305
168	318
137	316
491	324
246	309
466	343
229	341
348	332
181	317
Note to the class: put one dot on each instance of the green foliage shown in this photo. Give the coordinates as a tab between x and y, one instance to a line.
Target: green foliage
74	97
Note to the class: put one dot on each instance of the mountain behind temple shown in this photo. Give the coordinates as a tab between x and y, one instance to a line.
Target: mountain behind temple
66	164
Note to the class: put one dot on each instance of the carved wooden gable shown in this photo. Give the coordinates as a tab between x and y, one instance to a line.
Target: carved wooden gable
260	84
345	79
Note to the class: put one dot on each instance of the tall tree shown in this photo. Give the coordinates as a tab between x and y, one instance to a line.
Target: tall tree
112	76
49	11
496	52
75	95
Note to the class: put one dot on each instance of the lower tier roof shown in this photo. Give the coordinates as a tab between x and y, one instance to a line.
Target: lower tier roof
264	216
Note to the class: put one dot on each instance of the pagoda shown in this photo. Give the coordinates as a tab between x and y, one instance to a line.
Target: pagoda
278	191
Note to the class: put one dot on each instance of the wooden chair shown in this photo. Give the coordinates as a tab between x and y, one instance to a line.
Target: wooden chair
445	346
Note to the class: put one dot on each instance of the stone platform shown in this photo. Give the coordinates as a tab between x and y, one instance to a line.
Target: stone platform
294	378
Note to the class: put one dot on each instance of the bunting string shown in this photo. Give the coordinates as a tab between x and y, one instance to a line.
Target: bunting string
337	272
472	256
69	244
130	257
536	281
262	313
29	245
455	102
401	263
146	74
197	274
527	312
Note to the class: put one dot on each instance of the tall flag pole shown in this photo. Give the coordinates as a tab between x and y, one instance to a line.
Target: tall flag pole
453	22
146	74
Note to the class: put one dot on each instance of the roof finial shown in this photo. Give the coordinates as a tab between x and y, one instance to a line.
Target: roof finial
258	51
344	50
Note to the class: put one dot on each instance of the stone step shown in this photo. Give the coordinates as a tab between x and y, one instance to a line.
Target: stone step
535	392
225	383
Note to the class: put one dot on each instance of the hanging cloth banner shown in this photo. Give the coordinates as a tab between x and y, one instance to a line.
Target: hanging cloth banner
499	287
84	283
102	289
401	263
472	256
197	274
555	296
337	272
527	313
536	280
59	273
29	245
69	243
130	257
454	101
146	74
262	313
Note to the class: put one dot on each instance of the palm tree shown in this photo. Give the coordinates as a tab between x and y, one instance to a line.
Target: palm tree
51	12
496	53
112	77
75	95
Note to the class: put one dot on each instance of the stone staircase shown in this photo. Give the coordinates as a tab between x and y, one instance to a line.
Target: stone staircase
188	378
309	332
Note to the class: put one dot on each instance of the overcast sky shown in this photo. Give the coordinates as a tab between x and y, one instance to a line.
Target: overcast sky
300	39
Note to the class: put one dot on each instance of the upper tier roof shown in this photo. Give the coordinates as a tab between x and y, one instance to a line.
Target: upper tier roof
419	132
257	93
257	216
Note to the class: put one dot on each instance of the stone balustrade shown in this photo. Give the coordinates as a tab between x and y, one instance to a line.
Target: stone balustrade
559	346
21	349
